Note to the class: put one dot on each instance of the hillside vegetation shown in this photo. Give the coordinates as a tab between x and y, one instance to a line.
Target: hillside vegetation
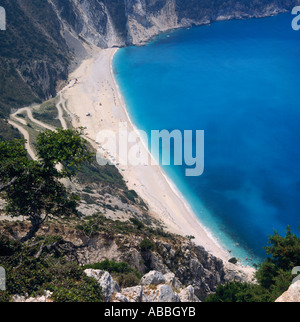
45	38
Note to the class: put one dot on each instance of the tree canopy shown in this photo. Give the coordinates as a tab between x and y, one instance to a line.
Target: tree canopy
33	189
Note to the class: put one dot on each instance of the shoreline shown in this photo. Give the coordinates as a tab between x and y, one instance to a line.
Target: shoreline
163	173
169	181
97	94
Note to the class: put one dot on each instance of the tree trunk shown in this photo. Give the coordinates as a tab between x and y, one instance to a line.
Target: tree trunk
7	185
35	226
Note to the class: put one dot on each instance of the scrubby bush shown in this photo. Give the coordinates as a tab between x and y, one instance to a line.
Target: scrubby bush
274	275
233	260
137	223
131	195
128	280
41	265
147	244
122	272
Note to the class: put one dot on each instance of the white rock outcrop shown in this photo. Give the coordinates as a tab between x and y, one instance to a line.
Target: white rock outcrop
188	295
154	287
292	294
161	293
134	294
40	299
172	280
108	285
153	278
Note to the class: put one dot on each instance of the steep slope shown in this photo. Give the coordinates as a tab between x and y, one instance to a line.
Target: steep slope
44	38
124	22
145	248
33	54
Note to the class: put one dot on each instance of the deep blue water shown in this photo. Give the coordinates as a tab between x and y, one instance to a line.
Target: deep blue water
238	81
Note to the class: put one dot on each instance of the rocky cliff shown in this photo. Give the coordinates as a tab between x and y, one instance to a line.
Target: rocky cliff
153	287
144	248
45	38
125	22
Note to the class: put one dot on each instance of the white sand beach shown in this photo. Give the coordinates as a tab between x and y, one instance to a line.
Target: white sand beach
95	102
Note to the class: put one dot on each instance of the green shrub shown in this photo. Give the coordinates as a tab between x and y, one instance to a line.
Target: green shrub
233	260
128	280
139	225
131	195
29	274
233	292
273	275
122	272
85	290
147	244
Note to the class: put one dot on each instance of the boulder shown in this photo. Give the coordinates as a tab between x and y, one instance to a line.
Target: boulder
188	295
172	280
134	294
161	293
166	294
108	285
292	294
153	278
120	298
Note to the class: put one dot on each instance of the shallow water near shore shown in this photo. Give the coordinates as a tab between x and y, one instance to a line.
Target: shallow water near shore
238	81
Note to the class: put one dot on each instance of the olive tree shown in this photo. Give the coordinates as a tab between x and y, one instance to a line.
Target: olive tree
34	188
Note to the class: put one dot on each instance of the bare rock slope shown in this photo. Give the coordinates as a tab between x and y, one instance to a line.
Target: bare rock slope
292	294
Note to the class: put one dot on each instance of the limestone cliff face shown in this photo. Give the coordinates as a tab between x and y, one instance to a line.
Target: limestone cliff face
123	22
190	264
44	39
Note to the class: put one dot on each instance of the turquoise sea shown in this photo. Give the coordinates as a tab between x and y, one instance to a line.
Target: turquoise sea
239	82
